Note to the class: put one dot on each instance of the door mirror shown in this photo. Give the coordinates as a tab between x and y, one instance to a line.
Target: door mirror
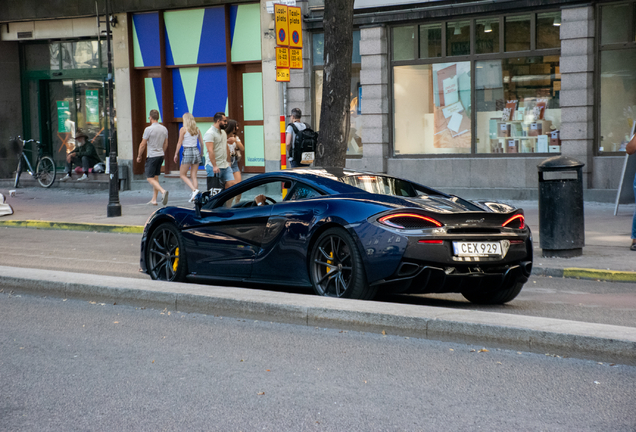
200	200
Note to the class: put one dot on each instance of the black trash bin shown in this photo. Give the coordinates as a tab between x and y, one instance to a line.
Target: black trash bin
561	221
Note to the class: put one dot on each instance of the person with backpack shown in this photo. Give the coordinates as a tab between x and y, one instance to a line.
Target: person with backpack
300	141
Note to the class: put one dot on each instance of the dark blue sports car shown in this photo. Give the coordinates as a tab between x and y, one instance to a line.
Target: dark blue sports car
344	233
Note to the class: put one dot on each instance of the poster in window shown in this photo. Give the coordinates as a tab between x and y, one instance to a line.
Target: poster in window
92	106
451	93
63	116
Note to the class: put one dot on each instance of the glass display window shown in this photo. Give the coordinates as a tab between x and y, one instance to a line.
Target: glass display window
517	33
618	99
457	38
487	36
430	41
517	105
404	43
432	108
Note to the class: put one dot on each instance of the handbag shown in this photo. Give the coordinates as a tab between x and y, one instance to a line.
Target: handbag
214	184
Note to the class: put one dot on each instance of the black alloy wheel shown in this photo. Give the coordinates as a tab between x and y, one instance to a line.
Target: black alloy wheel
165	254
336	267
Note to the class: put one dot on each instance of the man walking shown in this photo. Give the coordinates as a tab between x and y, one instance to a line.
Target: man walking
290	136
216	142
156	139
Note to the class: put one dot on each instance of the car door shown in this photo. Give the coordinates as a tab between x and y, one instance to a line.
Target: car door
224	240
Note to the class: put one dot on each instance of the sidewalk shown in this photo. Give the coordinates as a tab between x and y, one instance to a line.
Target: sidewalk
606	255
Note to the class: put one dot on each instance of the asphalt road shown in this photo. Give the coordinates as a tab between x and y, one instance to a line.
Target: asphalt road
118	255
75	365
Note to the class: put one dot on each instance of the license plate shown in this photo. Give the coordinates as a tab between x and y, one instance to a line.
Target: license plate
306	158
477	249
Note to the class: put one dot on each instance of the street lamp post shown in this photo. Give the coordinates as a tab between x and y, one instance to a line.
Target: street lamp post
114	207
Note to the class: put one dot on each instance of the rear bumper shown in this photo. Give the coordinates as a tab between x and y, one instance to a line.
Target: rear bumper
414	278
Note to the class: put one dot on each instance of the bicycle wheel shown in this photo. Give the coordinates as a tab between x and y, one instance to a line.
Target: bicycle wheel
18	172
45	172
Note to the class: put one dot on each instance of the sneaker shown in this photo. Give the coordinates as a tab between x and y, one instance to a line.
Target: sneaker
194	195
67	177
83	177
164	198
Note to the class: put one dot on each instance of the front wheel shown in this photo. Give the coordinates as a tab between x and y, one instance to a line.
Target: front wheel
336	267
496	297
18	172
46	172
165	257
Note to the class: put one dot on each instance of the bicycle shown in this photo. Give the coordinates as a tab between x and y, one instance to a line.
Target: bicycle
44	171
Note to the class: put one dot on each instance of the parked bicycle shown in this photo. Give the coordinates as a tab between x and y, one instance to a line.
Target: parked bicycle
44	171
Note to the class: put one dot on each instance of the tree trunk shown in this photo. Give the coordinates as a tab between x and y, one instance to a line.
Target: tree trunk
334	114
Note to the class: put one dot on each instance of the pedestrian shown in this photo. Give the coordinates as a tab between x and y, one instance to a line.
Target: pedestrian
217	164
156	139
290	136
83	154
189	137
235	146
631	149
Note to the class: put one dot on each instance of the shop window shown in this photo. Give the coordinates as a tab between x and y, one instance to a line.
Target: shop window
430	41
432	108
549	30
404	43
615	23
517	33
618	99
318	48
54	55
201	91
195	36
518	108
487	36
458	38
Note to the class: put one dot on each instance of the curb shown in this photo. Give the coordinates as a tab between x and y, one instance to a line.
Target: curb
571	272
599	342
73	226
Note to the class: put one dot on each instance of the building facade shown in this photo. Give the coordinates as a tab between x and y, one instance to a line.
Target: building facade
468	97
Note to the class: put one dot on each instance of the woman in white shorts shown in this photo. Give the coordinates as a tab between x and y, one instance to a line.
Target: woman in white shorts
189	134
235	147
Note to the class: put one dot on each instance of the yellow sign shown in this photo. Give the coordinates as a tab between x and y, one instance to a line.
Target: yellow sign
282	74
282	25
282	57
296	58
295	27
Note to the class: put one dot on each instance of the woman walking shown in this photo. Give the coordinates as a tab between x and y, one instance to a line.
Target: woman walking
235	146
188	136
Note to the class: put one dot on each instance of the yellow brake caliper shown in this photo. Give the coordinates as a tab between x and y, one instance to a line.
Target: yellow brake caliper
175	264
329	262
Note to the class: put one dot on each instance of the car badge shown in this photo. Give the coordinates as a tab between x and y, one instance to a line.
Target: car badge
475	220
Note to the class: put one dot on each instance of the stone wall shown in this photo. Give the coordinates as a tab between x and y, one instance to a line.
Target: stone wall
10	106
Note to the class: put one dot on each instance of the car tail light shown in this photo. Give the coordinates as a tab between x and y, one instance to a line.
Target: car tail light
409	221
431	241
516	241
517	221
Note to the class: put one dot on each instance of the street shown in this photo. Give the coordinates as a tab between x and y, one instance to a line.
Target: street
118	255
71	364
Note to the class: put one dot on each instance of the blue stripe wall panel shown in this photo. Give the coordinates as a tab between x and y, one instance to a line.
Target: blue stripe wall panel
147	28
212	46
211	94
178	95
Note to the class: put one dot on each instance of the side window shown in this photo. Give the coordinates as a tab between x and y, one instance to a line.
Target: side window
272	190
302	191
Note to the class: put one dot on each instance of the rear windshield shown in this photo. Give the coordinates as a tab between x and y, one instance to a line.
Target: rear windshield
384	185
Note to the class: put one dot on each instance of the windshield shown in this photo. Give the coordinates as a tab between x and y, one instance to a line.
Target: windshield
383	185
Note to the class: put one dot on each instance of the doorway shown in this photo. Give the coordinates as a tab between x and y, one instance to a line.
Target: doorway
246	108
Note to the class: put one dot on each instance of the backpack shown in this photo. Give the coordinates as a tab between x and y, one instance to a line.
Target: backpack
304	144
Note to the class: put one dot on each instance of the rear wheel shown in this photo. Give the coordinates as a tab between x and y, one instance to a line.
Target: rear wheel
46	172
165	256
336	267
18	172
496	297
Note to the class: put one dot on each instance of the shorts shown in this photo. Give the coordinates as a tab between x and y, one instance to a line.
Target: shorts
225	174
235	167
191	156
153	166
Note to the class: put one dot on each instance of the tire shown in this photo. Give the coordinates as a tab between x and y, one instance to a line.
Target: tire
45	172
18	172
336	268
164	253
495	297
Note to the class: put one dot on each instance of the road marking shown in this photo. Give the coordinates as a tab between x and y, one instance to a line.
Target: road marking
72	226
